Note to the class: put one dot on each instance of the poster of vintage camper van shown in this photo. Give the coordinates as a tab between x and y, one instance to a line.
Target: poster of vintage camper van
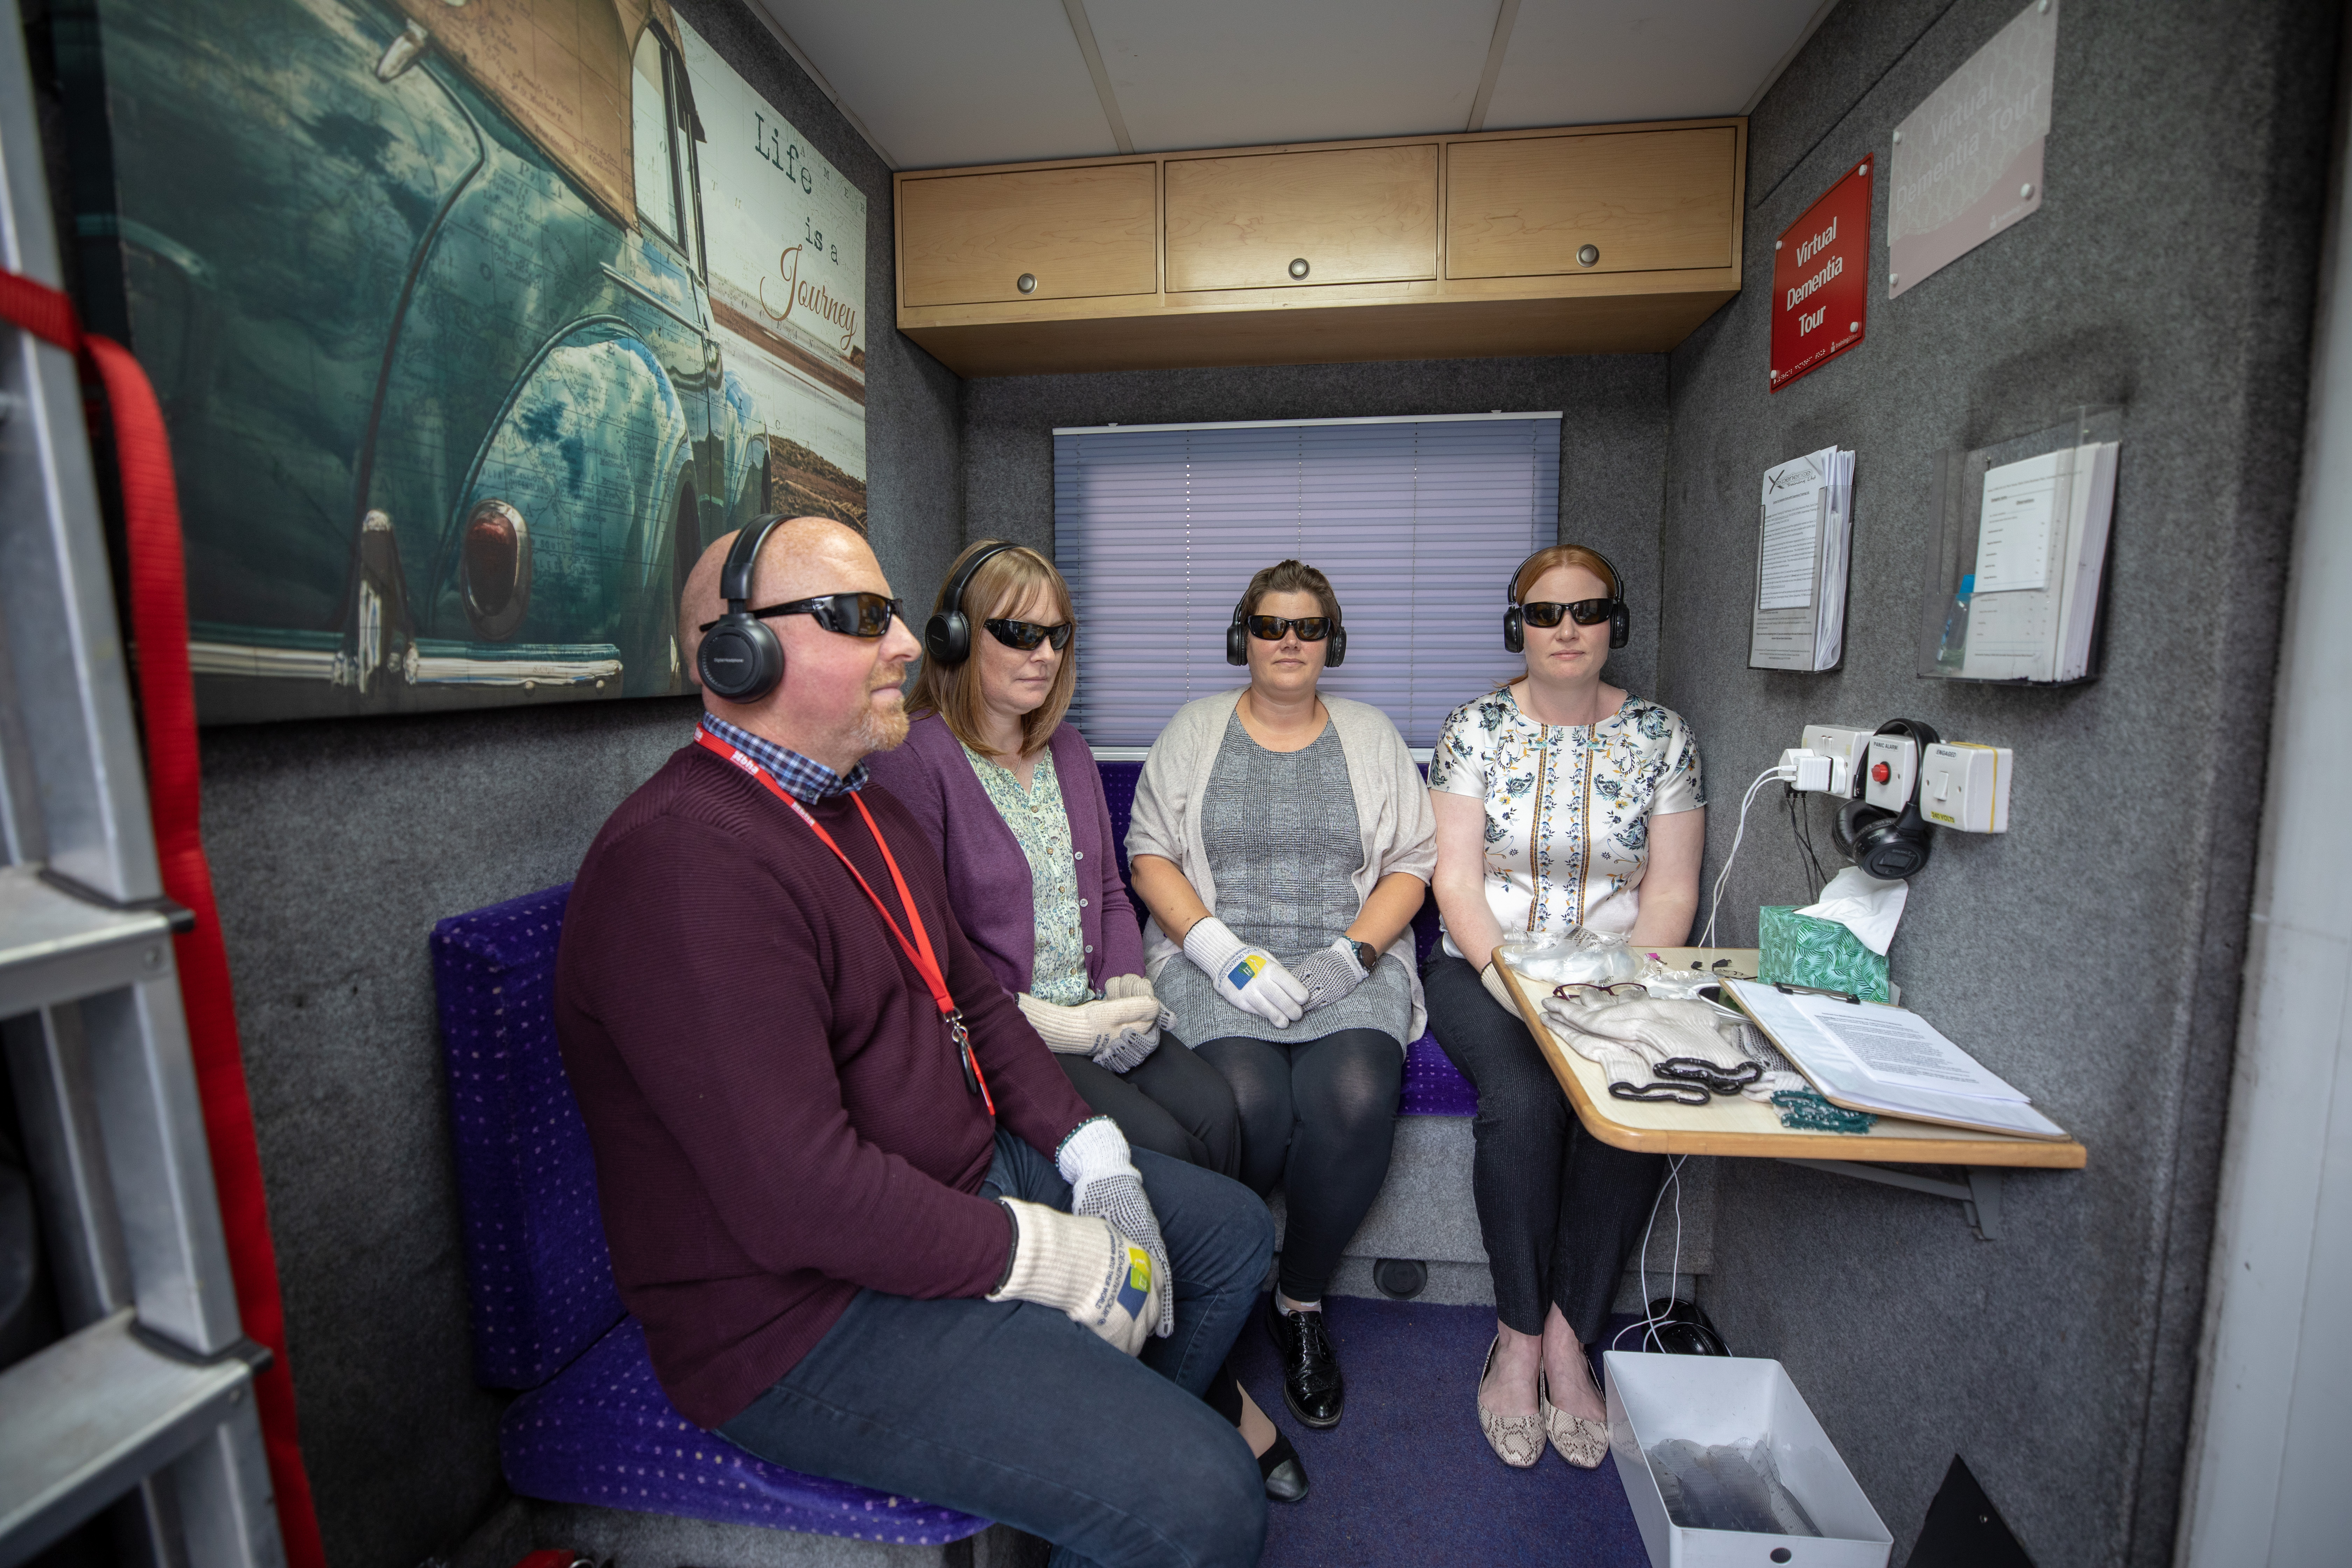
472	324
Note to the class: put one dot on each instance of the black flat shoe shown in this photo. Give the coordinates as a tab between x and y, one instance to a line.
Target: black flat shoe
1285	1476
1311	1384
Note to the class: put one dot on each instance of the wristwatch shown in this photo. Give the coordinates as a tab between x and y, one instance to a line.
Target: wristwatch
1366	954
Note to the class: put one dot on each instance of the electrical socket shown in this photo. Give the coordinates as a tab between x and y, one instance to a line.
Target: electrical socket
1806	770
1841	744
1966	786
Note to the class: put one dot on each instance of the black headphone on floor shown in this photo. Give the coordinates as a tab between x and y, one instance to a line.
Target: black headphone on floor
1890	845
947	636
1334	646
739	659
1621	619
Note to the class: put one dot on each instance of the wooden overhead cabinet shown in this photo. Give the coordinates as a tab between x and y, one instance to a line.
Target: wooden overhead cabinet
1601	239
1067	233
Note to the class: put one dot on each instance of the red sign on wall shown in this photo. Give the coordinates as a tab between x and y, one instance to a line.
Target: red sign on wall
1821	280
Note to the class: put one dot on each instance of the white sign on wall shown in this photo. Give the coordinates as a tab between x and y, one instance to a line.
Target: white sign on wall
1967	164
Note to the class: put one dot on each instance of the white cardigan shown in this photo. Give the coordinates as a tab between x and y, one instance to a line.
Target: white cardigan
1393	812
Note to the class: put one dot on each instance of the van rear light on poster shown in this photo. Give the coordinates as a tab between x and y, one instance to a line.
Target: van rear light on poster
1820	267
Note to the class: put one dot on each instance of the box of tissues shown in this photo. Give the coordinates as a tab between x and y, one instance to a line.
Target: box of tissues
1799	950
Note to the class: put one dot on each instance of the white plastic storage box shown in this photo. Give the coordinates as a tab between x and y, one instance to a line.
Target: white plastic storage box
1714	1401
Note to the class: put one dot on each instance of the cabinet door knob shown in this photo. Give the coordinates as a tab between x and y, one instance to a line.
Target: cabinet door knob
1027	282
1298	267
1587	256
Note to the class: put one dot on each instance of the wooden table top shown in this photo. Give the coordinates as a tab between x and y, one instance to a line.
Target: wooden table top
1736	1125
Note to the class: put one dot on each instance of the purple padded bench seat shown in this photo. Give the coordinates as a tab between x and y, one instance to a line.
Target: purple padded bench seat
1433	1085
594	1427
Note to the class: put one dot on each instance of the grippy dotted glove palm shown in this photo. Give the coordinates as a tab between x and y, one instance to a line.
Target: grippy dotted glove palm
1249	977
1103	1281
1104	1182
1330	973
1114	1033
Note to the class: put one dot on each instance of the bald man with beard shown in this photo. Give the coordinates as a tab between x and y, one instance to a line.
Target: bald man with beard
871	1231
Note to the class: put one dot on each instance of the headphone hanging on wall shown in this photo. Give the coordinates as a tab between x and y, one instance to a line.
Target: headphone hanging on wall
1890	845
1335	650
947	636
1621	619
739	659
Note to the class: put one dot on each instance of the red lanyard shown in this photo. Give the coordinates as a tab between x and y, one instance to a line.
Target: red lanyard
918	951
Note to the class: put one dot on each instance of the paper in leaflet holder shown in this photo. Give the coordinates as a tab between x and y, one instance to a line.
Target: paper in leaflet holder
2017	561
1804	530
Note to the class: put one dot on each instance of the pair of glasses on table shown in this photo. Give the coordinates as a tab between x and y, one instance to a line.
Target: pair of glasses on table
1270	628
1026	635
1583	612
1620	989
851	614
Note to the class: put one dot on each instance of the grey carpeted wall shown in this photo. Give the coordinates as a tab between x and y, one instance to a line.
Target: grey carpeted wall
1611	461
336	846
2093	954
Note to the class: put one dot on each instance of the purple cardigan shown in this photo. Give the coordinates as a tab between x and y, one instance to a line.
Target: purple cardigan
988	875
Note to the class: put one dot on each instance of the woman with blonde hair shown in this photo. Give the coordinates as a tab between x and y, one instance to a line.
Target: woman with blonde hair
1008	792
1562	802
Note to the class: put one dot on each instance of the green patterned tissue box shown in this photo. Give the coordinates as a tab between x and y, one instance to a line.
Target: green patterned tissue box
1798	950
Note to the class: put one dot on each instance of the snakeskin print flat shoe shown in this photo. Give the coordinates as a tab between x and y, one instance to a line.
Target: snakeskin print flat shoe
1518	1440
1581	1441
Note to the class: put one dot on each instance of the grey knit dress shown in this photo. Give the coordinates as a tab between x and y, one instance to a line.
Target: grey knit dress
1282	843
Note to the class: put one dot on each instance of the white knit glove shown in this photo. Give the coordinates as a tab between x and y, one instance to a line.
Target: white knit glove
1095	1160
1117	1035
1080	1263
1249	977
1330	973
1628	1068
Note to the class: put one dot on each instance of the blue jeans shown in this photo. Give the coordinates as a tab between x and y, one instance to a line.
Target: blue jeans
1009	1410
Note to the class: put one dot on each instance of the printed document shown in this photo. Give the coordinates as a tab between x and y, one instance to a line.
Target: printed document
1801	562
2042	544
1901	1049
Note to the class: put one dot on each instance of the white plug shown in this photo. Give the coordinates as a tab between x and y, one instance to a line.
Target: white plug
1806	770
1840	743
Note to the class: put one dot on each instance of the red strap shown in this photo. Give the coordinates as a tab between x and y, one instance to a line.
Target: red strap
919	951
159	625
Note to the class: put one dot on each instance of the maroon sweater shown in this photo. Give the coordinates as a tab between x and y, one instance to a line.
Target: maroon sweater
778	1115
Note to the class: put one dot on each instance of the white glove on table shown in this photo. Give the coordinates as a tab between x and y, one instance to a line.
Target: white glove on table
1117	1034
1249	977
1080	1263
1095	1160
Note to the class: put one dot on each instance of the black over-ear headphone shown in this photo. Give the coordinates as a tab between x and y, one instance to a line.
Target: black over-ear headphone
739	659
947	636
1621	619
1890	845
1334	646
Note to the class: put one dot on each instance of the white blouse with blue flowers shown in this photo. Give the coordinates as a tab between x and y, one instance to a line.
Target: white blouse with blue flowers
1568	806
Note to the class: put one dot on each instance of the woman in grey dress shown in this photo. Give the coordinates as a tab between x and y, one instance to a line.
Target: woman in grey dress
1282	842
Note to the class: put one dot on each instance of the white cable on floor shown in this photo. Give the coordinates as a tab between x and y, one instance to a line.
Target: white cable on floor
1716	903
1649	1321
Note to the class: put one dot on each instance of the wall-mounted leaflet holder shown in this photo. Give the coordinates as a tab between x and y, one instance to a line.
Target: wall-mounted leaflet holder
2017	561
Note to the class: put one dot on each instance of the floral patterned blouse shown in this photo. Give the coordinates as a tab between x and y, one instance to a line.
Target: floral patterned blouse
1568	806
1041	825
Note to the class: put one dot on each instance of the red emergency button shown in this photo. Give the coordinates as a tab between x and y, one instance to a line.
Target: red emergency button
1880	773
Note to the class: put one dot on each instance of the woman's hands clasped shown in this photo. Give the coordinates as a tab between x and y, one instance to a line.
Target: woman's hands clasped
1249	977
1116	1033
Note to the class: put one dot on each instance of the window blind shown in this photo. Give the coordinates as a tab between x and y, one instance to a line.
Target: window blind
1417	523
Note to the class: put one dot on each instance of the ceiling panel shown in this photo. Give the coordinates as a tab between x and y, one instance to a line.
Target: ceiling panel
1580	62
941	83
1234	73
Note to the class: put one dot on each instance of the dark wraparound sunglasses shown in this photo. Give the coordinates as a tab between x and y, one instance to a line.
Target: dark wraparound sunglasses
1583	612
1026	635
851	614
1311	628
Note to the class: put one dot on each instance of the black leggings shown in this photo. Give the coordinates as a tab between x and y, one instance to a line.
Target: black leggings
1560	1210
1317	1116
1171	1103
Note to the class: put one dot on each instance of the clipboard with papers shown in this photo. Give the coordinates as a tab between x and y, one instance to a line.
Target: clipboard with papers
1867	1056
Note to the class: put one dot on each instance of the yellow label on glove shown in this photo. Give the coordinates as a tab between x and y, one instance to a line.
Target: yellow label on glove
1246	969
1137	1288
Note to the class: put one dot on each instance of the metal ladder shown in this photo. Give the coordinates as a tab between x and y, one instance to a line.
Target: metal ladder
147	1401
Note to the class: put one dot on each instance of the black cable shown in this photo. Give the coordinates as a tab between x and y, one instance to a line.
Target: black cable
1800	828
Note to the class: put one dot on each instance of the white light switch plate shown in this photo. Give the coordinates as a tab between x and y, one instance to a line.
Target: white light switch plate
1899	756
1966	786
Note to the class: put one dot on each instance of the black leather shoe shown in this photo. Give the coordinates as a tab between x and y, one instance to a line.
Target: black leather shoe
1285	1476
1311	1384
